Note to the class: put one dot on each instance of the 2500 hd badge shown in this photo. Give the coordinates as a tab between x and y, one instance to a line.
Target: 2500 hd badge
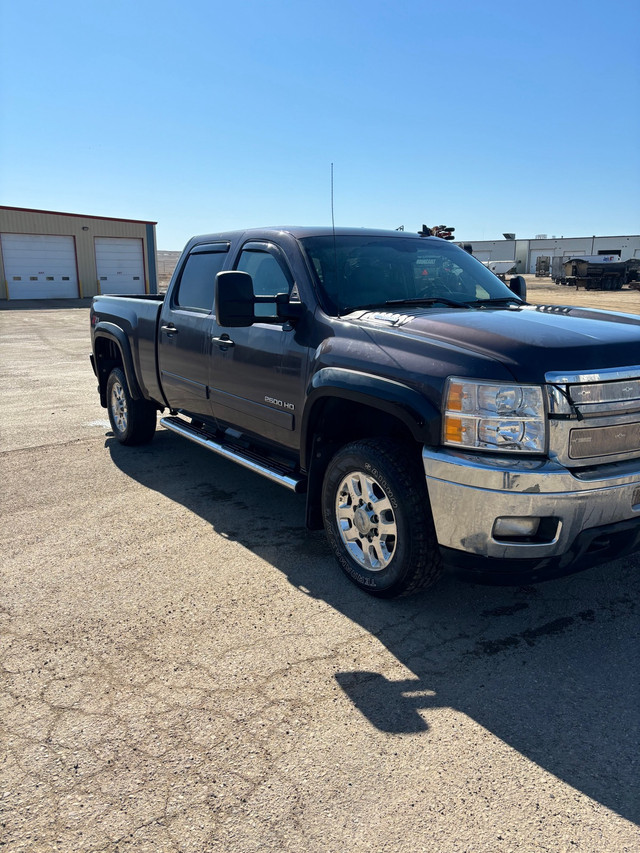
272	400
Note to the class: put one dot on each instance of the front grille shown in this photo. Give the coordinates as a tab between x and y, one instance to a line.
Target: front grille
594	416
604	441
605	397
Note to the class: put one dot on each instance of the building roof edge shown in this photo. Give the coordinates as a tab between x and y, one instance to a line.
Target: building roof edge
78	215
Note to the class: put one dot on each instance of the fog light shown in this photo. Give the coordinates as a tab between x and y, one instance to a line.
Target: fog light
515	526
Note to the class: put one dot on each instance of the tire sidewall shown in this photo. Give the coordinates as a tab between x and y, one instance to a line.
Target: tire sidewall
117	375
392	576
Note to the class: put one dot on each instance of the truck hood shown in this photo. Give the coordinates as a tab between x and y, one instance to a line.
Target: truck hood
529	340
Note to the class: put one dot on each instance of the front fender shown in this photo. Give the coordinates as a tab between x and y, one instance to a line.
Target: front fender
406	404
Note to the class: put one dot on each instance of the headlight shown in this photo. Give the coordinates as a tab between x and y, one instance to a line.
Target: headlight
494	416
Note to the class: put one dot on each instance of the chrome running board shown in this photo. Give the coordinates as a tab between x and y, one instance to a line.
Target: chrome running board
272	471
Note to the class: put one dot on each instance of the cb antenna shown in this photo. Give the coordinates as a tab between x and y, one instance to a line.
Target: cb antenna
333	223
335	248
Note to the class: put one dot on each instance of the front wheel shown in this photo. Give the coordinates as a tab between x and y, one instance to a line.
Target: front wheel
377	519
132	421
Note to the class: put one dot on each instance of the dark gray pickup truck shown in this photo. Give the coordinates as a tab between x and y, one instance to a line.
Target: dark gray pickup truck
430	415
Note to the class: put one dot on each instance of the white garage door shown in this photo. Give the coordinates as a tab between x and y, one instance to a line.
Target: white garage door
120	265
40	266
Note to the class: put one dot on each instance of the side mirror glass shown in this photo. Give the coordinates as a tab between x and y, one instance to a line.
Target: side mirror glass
518	286
275	309
287	310
234	299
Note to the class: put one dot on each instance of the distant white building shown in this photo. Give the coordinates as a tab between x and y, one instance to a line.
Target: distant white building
526	252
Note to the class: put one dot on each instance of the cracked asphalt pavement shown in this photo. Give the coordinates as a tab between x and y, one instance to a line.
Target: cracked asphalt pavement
184	668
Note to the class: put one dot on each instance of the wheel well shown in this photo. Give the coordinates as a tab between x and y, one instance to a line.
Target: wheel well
336	422
347	420
108	356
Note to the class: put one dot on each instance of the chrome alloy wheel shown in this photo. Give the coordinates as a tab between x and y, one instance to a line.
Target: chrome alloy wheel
366	521
119	409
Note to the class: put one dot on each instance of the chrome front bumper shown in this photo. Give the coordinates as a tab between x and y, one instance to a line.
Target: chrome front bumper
469	492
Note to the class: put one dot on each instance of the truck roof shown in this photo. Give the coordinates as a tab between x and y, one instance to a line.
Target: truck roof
300	231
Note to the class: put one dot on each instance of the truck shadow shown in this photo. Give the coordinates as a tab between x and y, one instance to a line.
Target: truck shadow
551	670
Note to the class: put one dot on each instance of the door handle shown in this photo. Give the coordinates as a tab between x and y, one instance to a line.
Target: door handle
223	341
170	329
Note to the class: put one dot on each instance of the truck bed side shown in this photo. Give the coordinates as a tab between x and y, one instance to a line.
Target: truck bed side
126	328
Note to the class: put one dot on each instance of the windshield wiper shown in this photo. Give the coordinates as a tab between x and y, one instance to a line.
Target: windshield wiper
415	300
436	300
428	300
503	300
371	306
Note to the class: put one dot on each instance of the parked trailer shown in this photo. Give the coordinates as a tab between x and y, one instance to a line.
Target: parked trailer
557	269
596	272
501	268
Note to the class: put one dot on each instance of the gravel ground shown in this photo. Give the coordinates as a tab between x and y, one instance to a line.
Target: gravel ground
184	668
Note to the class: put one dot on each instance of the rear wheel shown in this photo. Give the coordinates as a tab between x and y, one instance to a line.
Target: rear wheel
132	421
377	519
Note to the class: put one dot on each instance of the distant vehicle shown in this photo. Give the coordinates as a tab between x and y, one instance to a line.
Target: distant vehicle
633	273
501	268
543	264
595	272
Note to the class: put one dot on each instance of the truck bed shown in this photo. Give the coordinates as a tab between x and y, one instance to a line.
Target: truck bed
137	316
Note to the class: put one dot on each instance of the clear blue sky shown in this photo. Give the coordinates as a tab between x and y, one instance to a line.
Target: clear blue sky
205	116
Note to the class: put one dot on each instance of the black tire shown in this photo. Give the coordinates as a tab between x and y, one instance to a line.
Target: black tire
132	421
377	519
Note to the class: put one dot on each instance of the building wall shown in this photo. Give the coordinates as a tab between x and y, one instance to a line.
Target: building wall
495	250
526	251
84	230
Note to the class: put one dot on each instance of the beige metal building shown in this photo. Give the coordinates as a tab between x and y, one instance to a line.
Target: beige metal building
49	255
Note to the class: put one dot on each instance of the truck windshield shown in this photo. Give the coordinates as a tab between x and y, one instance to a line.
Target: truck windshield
355	272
